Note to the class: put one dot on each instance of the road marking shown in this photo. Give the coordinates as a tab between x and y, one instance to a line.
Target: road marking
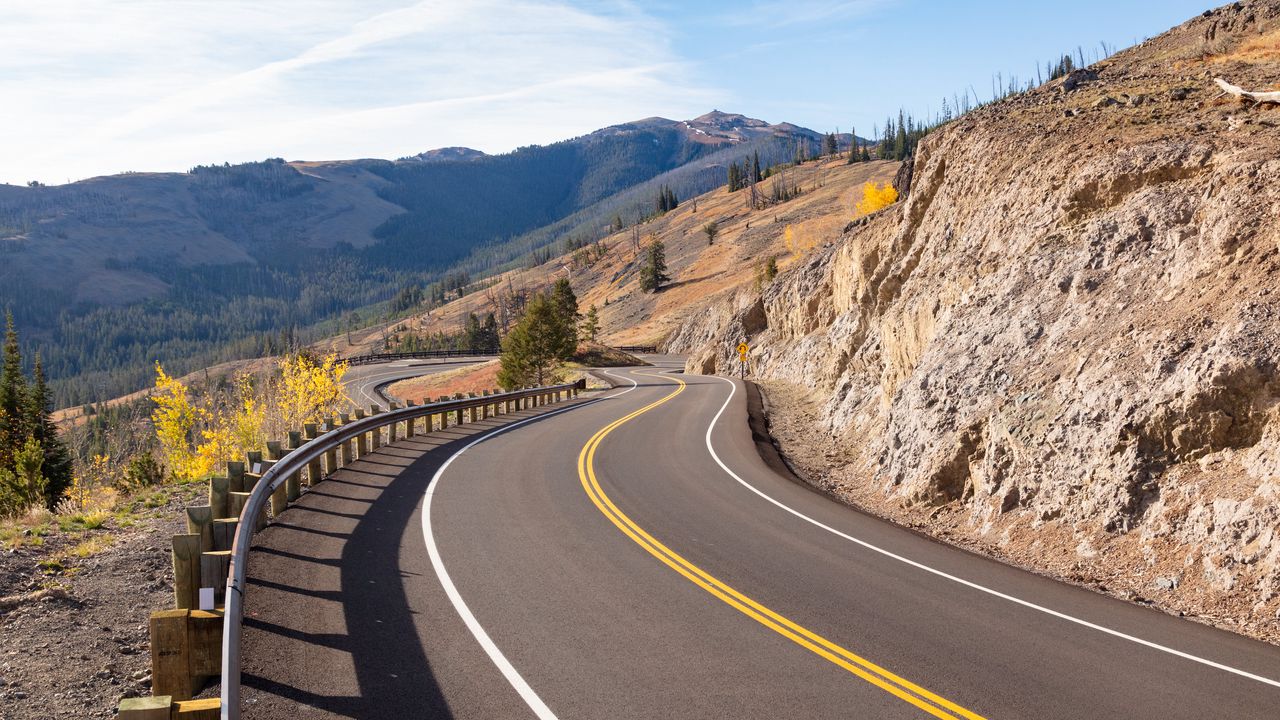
500	660
496	656
996	593
874	674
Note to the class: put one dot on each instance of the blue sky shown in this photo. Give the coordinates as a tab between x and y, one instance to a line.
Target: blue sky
94	87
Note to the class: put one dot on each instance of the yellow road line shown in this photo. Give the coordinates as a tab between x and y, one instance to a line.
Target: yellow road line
880	677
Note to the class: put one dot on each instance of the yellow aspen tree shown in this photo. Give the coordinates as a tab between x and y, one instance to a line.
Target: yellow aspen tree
175	418
876	197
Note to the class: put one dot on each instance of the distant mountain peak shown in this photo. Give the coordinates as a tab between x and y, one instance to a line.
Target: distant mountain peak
446	154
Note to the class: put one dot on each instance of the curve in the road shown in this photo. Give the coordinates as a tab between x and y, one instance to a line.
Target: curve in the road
880	677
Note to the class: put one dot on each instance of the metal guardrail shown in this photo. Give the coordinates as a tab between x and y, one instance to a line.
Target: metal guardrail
294	463
418	355
638	348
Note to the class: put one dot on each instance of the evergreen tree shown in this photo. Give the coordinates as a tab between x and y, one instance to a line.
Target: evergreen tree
13	401
735	177
755	168
57	459
591	325
654	273
565	304
829	144
489	334
529	352
901	146
853	147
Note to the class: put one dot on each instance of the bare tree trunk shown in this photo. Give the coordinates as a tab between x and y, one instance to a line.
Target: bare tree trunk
1258	97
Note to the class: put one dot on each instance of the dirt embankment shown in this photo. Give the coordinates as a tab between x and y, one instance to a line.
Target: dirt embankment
1064	346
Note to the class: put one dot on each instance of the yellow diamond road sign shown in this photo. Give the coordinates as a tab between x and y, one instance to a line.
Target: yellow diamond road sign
742	348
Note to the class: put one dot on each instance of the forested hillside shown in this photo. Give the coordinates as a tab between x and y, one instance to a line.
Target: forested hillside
110	274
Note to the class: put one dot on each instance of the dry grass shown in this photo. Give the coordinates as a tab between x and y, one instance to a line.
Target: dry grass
1255	50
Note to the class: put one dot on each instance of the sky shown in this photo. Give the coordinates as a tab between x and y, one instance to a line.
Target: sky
95	87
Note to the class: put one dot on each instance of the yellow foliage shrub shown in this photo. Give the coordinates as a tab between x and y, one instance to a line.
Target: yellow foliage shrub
876	198
175	419
197	438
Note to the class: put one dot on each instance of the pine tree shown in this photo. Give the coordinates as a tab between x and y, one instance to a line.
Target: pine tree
591	325
755	168
57	459
853	147
654	273
565	332
13	401
735	177
531	351
489	334
829	144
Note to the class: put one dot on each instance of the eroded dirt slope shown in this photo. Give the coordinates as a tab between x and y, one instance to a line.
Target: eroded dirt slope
1063	346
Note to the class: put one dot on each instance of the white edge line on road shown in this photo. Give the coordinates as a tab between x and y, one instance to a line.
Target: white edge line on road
504	665
733	388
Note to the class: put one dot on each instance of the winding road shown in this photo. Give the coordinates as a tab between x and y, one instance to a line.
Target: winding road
364	382
631	555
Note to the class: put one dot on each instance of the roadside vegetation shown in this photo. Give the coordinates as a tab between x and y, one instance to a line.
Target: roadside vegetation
125	461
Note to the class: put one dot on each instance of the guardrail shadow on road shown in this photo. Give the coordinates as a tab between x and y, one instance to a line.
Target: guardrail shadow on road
343	571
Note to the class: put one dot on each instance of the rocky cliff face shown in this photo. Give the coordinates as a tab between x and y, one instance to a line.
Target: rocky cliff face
1064	345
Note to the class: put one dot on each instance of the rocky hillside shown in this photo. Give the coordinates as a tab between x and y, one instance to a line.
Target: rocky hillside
1063	347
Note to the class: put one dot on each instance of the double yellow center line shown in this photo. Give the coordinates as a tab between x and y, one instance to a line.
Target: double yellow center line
861	667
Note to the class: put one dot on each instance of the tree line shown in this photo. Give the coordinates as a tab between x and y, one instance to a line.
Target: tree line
35	466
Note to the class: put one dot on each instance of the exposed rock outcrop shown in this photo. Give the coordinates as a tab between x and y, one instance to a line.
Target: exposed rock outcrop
1071	324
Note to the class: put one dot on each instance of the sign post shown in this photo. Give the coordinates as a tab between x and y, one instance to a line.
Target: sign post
742	359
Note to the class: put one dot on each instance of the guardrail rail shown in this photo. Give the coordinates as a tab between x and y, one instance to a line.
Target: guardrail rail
197	640
274	478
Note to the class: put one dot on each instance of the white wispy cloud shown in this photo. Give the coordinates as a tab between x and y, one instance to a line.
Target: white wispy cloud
99	86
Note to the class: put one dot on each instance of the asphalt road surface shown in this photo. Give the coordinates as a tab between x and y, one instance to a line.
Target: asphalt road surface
630	555
363	382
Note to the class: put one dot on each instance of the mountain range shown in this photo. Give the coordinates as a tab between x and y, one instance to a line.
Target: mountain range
107	275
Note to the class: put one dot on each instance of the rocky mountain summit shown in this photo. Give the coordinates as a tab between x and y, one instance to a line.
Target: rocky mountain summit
1063	346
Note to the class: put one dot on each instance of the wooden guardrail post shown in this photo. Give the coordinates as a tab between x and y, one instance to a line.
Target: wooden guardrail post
235	476
444	416
279	496
393	430
348	446
471	412
311	432
293	484
200	522
410	428
362	440
250	482
186	648
224	533
186	570
330	455
218	489
375	435
458	396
